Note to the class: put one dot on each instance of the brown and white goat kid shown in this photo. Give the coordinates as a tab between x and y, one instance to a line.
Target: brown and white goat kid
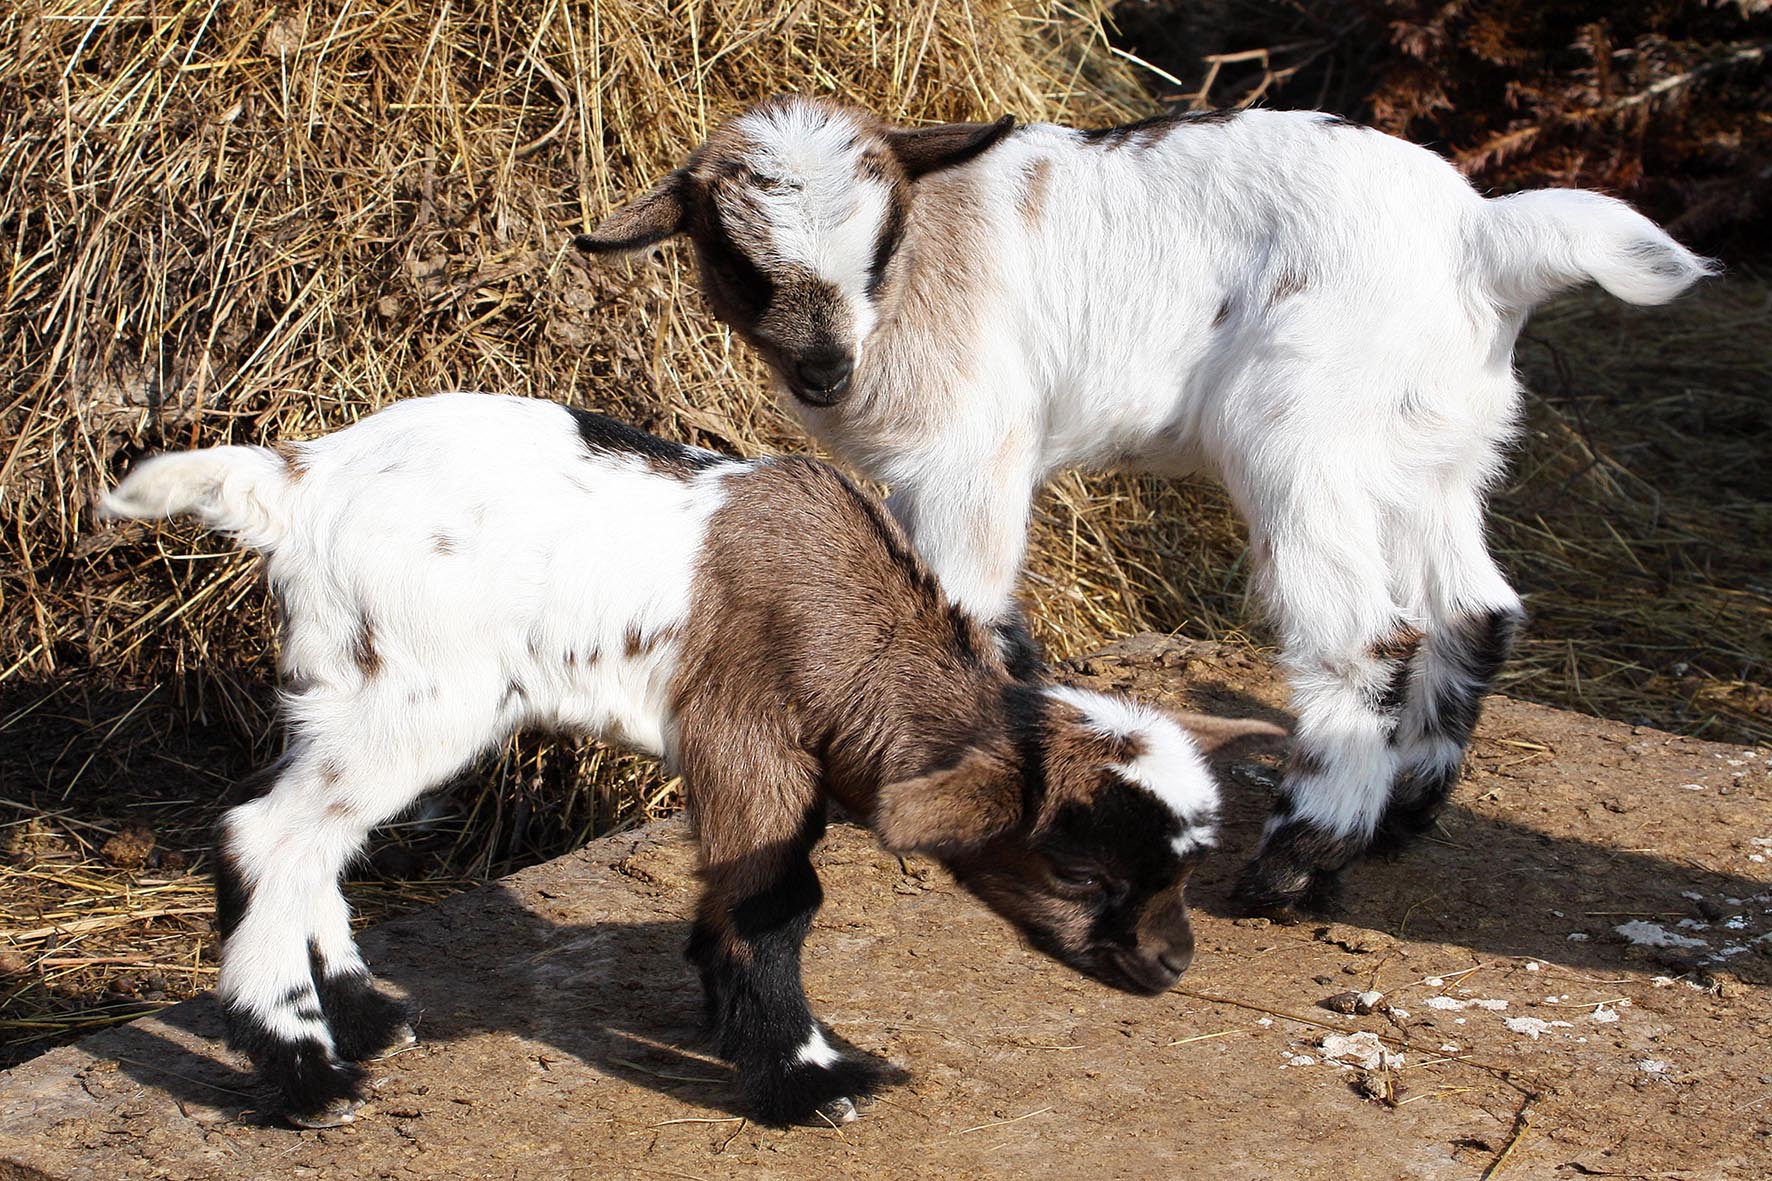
455	568
1321	315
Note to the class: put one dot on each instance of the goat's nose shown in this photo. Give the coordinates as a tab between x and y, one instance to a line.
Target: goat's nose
1176	959
827	370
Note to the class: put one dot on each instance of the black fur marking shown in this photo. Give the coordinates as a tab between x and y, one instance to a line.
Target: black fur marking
1024	711
758	1010
605	436
308	1078
890	236
1477	645
1021	652
1326	119
742	282
798	1089
1296	869
231	894
362	1020
1156	126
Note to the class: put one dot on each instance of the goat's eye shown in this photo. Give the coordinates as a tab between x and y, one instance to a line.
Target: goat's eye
1077	877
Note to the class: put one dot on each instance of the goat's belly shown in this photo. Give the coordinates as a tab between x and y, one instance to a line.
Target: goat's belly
621	700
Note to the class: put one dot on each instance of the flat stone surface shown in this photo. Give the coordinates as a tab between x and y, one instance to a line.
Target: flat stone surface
559	1018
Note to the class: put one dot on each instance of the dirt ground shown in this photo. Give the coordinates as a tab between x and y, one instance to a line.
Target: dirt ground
1574	978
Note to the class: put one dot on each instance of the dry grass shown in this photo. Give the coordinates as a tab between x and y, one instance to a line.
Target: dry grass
250	222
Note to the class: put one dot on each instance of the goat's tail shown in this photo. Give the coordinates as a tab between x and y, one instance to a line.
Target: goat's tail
1540	242
240	490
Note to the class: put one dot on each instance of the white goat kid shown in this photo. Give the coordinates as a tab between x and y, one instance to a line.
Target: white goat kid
453	569
1320	315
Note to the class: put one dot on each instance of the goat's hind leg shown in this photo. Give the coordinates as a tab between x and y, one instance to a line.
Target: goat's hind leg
276	882
299	999
1347	650
1473	617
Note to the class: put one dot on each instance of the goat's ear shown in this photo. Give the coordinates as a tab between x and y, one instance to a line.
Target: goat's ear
650	218
922	150
962	807
1214	734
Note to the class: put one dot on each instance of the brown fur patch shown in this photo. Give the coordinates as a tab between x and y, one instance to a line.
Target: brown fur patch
295	462
1290	283
1401	644
1224	313
815	628
444	544
363	649
1076	751
1033	192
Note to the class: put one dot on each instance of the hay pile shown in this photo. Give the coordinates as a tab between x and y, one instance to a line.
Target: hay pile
238	222
245	222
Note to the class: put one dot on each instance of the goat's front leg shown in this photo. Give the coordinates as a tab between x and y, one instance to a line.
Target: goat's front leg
749	928
968	517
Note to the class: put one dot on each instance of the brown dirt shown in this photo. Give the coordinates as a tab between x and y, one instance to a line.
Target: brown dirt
558	1016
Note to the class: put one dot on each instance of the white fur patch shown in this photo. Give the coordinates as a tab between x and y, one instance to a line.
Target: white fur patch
816	1051
1169	766
823	214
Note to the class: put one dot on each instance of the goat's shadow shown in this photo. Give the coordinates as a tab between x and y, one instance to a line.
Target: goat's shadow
616	996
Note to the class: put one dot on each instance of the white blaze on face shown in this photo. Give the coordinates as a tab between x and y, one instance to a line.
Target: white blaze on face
825	215
1169	764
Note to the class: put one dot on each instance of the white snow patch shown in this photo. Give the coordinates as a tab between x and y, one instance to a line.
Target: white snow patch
1299	1060
1434	982
1652	1066
1532	965
1605	1014
1647	934
1578	936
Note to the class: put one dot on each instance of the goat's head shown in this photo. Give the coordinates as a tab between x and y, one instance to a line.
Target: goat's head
797	209
1085	835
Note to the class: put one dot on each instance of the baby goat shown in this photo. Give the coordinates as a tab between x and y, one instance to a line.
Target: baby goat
1320	315
454	568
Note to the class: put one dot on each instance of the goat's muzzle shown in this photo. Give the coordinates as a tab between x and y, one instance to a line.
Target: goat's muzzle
821	378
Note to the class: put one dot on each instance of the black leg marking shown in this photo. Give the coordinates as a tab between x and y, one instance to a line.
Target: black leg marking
363	1021
1298	868
316	1087
1021	652
749	960
704	952
1476	646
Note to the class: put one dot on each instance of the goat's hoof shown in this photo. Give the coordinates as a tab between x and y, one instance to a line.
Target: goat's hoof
335	1114
835	1112
403	1038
